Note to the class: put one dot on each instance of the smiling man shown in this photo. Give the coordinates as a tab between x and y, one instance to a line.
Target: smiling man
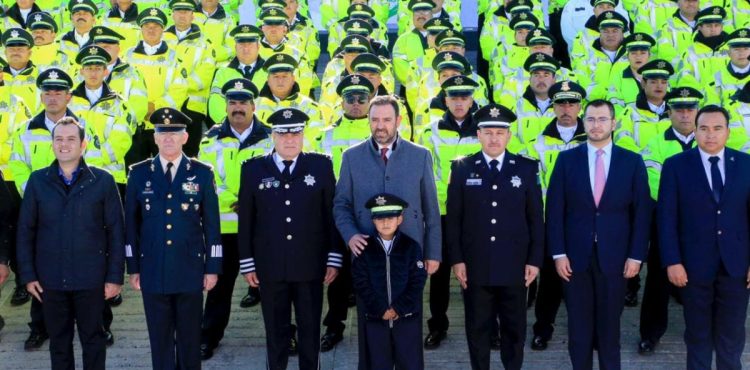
83	16
72	266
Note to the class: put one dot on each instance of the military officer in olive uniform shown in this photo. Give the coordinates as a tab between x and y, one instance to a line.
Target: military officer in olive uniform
173	242
287	239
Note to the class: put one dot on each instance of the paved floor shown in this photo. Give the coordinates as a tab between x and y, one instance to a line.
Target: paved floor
243	345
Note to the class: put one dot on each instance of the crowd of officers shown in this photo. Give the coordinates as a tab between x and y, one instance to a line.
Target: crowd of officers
112	65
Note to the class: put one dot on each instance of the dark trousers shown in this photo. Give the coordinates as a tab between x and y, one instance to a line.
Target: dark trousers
595	302
440	283
278	299
715	315
400	346
482	305
194	130
338	297
655	305
549	296
82	308
174	329
219	299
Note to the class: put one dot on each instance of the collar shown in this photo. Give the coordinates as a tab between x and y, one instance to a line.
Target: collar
82	40
642	103
467	128
257	132
607	148
658	109
219	13
392	146
39	121
191	33
245	134
705	156
80	91
714	43
14	12
175	163
551	130
683	138
266	92
141	48
499	158
738	70
74	175
280	161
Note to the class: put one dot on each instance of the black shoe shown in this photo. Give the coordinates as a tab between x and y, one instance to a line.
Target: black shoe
293	342
495	342
35	341
646	347
20	296
329	341
115	301
207	351
351	300
2	323
631	299
250	300
109	338
433	339
539	343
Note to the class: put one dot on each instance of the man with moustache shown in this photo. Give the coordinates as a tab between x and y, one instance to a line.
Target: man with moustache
386	163
239	137
704	217
597	216
83	14
46	52
72	266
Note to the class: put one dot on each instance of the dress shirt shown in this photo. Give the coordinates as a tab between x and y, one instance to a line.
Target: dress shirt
707	165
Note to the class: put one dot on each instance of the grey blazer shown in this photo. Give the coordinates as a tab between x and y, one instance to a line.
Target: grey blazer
408	175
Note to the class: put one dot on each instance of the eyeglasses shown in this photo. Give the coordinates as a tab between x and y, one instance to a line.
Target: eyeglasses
600	120
355	98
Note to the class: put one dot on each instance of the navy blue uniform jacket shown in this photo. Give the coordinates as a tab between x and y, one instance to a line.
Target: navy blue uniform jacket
495	223
286	229
172	232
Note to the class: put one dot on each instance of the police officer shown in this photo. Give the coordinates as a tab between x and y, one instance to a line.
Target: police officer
453	136
625	82
495	251
291	251
46	52
173	242
565	131
682	105
83	17
65	264
239	137
20	73
216	23
352	128
247	63
122	18
411	45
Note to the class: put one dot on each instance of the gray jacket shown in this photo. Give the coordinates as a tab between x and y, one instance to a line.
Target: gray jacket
408	175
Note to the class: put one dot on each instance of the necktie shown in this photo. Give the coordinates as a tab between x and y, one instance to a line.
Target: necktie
246	70
383	152
493	167
599	177
717	185
287	172
168	174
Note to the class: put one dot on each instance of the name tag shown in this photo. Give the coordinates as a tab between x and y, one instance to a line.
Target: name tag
473	182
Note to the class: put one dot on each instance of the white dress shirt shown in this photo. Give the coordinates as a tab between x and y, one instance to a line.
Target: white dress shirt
241	137
707	165
49	123
151	50
740	70
567	133
280	162
175	164
499	158
658	109
94	95
390	149
181	34
683	138
81	39
543	104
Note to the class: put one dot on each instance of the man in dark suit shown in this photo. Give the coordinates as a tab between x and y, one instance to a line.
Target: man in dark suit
704	235
287	238
6	217
598	214
173	237
71	247
495	237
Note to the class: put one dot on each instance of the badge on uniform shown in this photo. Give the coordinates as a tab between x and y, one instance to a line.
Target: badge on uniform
310	180
185	206
148	189
190	187
515	181
267	183
473	182
420	264
148	207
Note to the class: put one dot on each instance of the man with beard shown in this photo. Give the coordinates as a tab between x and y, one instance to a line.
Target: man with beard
387	163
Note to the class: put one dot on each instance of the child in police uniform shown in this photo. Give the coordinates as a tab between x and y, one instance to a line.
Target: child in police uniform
388	277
